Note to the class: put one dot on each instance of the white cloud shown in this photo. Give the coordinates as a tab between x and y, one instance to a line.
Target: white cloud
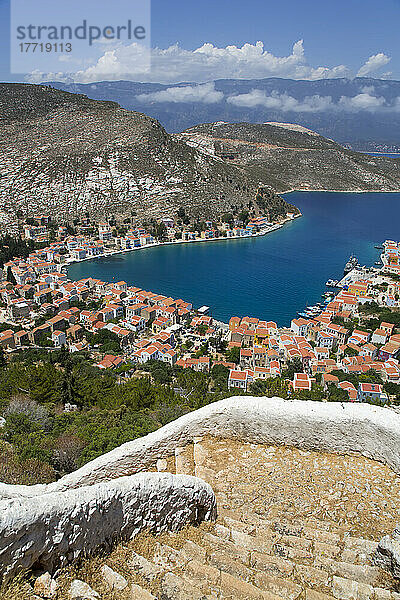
373	64
122	62
37	76
368	89
283	102
175	64
205	93
362	102
209	62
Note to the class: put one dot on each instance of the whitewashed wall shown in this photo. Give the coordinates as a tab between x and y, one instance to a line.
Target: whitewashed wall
50	531
333	427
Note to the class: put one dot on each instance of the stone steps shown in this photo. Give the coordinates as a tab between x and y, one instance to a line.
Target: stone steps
287	559
251	555
241	566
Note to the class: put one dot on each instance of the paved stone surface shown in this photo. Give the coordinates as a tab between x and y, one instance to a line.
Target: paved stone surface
138	593
114	580
351	494
80	590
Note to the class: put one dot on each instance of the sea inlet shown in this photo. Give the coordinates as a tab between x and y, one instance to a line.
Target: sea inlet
270	277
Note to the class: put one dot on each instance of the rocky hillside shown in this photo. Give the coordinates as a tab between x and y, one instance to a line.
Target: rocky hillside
286	156
65	154
333	107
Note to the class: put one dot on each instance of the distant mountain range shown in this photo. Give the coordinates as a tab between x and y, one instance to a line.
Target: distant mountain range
361	113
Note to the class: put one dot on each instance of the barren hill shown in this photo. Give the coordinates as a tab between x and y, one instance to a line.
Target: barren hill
287	156
66	154
329	106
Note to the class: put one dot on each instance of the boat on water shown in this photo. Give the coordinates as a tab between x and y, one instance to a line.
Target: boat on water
351	264
313	309
378	263
379	247
307	314
332	283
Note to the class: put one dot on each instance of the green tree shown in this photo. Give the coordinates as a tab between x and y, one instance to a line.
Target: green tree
107	341
160	232
220	375
44	383
227	218
337	394
292	367
3	360
244	216
273	386
69	389
393	389
351	352
11	277
201	329
233	355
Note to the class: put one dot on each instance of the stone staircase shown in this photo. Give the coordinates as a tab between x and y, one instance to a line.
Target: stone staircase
292	525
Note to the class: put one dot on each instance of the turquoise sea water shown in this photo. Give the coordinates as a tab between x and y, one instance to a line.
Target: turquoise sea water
270	277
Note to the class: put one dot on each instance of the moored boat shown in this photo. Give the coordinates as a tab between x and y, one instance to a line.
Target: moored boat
351	264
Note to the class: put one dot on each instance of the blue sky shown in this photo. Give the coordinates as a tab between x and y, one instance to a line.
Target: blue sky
334	34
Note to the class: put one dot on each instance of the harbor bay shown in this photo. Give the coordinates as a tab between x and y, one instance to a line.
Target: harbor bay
273	276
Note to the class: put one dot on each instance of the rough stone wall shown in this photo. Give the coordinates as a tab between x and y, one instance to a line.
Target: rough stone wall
49	525
49	532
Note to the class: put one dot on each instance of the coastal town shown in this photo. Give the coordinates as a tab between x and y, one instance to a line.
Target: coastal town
346	348
199	301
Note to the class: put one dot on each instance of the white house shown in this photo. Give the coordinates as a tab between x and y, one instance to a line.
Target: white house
79	253
379	337
169	356
299	326
145	354
240	379
134	310
325	340
321	353
136	323
105	232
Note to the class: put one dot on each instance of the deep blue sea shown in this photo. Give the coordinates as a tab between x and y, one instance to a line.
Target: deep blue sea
270	277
